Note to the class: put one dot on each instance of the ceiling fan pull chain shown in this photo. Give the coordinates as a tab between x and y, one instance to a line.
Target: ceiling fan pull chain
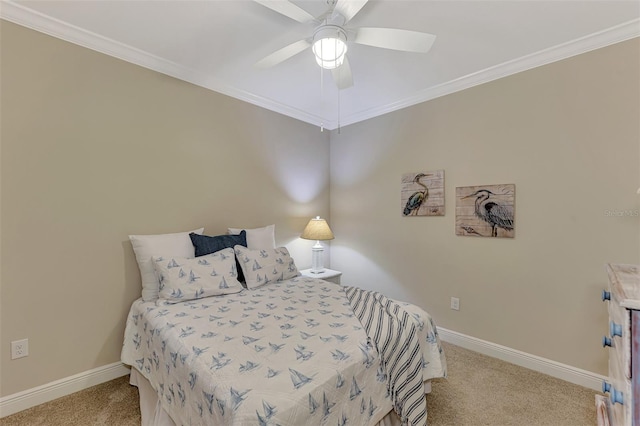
321	96
339	104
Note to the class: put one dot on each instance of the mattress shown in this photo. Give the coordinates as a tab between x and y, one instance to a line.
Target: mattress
292	352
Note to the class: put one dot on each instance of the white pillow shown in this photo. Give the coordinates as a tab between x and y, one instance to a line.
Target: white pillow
265	266
258	238
182	278
146	246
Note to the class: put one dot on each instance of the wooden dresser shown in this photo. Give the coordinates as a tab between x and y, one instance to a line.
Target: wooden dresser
623	384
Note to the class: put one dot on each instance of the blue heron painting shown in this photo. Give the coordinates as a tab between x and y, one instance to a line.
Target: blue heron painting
422	194
485	211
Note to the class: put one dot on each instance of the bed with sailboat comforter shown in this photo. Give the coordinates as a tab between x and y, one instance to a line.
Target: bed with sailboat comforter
225	334
298	351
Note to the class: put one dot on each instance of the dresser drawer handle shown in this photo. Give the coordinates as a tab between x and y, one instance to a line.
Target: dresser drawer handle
606	341
606	295
616	396
615	329
606	387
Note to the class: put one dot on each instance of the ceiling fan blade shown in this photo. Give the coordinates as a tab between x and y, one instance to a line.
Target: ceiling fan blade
349	8
287	9
342	75
390	38
283	54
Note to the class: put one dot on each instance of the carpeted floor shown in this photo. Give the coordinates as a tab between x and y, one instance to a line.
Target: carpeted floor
480	390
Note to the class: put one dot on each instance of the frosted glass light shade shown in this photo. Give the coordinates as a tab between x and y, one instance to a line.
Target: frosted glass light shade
329	46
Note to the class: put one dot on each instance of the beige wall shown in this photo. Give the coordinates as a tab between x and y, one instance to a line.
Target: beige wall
568	136
94	149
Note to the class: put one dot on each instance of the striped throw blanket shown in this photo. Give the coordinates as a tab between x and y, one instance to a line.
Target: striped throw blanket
396	335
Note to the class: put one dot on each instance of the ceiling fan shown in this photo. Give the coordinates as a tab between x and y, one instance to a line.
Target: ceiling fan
330	37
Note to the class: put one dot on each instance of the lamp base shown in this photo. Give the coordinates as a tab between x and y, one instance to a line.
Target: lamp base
317	264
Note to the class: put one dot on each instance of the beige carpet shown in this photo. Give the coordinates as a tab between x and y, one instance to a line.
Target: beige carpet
479	391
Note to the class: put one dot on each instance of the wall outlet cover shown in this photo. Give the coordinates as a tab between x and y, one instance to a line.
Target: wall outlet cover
19	348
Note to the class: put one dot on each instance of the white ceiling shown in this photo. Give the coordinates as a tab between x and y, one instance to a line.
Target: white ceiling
214	44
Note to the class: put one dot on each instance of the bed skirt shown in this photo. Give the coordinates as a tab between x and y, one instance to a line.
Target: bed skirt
153	414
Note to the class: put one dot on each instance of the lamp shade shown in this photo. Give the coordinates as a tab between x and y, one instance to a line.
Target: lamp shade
317	229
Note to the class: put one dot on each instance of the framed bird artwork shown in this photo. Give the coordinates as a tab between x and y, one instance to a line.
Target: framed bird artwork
486	211
422	194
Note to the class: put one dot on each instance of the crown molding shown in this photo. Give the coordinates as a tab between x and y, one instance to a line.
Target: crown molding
18	14
29	18
613	35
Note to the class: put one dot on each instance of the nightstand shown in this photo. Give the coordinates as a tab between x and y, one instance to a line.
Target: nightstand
328	275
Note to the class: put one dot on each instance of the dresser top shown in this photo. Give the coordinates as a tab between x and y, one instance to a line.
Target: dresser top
625	284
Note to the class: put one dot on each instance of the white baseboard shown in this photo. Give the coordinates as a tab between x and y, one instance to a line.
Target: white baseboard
39	395
552	368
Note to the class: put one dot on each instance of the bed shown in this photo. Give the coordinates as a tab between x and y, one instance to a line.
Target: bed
285	350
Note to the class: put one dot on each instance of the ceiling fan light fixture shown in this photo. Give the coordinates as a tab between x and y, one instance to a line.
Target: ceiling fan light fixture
329	46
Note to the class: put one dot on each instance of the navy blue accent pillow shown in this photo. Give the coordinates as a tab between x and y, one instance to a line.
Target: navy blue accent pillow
205	244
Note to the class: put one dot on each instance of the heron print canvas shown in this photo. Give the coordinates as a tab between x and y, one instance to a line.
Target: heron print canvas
422	194
486	211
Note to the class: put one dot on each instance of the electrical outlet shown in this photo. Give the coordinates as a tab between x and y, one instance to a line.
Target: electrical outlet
19	348
455	303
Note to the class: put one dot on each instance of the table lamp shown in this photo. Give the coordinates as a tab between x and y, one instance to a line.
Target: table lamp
317	229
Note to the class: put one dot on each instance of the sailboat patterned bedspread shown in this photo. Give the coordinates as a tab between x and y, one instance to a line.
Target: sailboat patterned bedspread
287	353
